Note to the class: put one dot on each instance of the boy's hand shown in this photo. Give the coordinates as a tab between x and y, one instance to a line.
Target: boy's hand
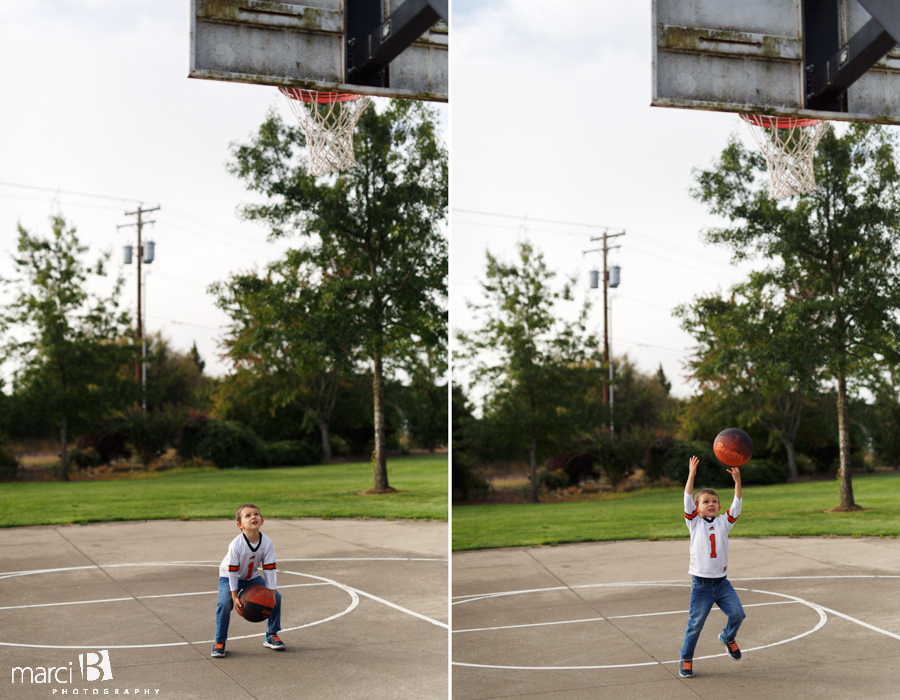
238	603
735	474
693	463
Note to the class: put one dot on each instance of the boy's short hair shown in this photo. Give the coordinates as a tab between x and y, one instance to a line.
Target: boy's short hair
237	516
696	495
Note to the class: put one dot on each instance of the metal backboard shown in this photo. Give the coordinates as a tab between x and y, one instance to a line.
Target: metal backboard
748	56
294	45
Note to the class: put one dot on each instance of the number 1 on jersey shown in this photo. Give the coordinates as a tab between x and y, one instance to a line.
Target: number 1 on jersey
712	546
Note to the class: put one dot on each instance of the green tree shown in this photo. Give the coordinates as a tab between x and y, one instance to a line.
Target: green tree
68	362
426	401
174	377
374	232
532	363
289	332
836	250
756	347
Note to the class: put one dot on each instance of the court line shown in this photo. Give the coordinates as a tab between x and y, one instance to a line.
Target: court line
136	597
612	617
823	618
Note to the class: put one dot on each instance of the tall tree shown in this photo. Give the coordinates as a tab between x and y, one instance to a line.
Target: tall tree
69	359
289	332
374	231
531	362
836	250
755	346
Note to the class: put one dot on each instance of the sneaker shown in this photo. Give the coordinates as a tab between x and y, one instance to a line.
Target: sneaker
218	649
685	668
273	642
732	648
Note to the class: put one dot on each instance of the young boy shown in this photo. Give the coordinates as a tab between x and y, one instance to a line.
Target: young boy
709	564
250	552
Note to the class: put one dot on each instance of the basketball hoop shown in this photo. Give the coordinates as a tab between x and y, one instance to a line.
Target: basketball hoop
327	120
789	146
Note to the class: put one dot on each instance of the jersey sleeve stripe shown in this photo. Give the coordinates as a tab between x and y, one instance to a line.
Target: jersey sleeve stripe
234	568
730	519
268	567
691	516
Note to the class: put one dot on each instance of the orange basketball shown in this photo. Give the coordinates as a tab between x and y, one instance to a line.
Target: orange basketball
733	447
259	602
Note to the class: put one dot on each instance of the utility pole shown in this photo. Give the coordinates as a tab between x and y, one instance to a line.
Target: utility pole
139	367
607	360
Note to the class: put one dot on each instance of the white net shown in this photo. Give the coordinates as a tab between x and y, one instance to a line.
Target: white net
789	146
327	120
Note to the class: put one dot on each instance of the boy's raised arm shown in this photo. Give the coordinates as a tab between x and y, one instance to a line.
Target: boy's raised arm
692	472
736	475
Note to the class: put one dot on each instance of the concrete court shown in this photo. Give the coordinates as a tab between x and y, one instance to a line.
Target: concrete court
823	621
369	599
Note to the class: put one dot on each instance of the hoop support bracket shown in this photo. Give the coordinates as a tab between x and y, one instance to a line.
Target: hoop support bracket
828	78
372	44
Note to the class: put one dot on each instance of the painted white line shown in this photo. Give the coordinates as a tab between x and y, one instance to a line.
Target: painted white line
138	597
864	624
823	618
401	609
611	617
481	596
354	602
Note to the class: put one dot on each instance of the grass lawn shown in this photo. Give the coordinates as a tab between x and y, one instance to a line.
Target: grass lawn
325	491
780	510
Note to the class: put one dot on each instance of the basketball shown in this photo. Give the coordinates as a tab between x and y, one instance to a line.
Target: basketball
259	602
733	447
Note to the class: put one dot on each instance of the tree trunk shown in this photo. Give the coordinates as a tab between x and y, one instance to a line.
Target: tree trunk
532	462
326	441
843	409
791	457
63	456
380	457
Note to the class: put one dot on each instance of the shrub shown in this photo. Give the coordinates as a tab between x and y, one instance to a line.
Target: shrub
228	444
151	432
668	459
291	453
466	482
9	465
190	434
552	480
763	472
82	458
108	444
578	469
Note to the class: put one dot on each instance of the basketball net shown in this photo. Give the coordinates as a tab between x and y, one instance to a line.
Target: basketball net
327	120
789	146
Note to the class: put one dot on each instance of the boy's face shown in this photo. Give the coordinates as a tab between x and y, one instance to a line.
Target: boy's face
250	520
708	505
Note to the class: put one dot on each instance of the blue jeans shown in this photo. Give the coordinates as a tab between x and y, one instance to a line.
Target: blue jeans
705	592
226	605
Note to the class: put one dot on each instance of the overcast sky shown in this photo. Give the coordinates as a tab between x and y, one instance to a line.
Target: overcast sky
551	122
97	101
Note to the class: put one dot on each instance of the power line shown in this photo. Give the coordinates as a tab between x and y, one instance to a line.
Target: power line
131	200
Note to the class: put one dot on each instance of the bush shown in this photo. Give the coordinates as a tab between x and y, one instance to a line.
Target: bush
227	444
552	480
82	458
291	453
668	459
466	482
578	469
150	433
762	472
190	434
108	444
9	465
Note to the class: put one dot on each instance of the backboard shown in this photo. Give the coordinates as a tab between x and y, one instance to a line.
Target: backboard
307	46
773	57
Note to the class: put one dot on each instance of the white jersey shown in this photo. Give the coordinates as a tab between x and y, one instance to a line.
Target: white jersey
245	561
709	539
